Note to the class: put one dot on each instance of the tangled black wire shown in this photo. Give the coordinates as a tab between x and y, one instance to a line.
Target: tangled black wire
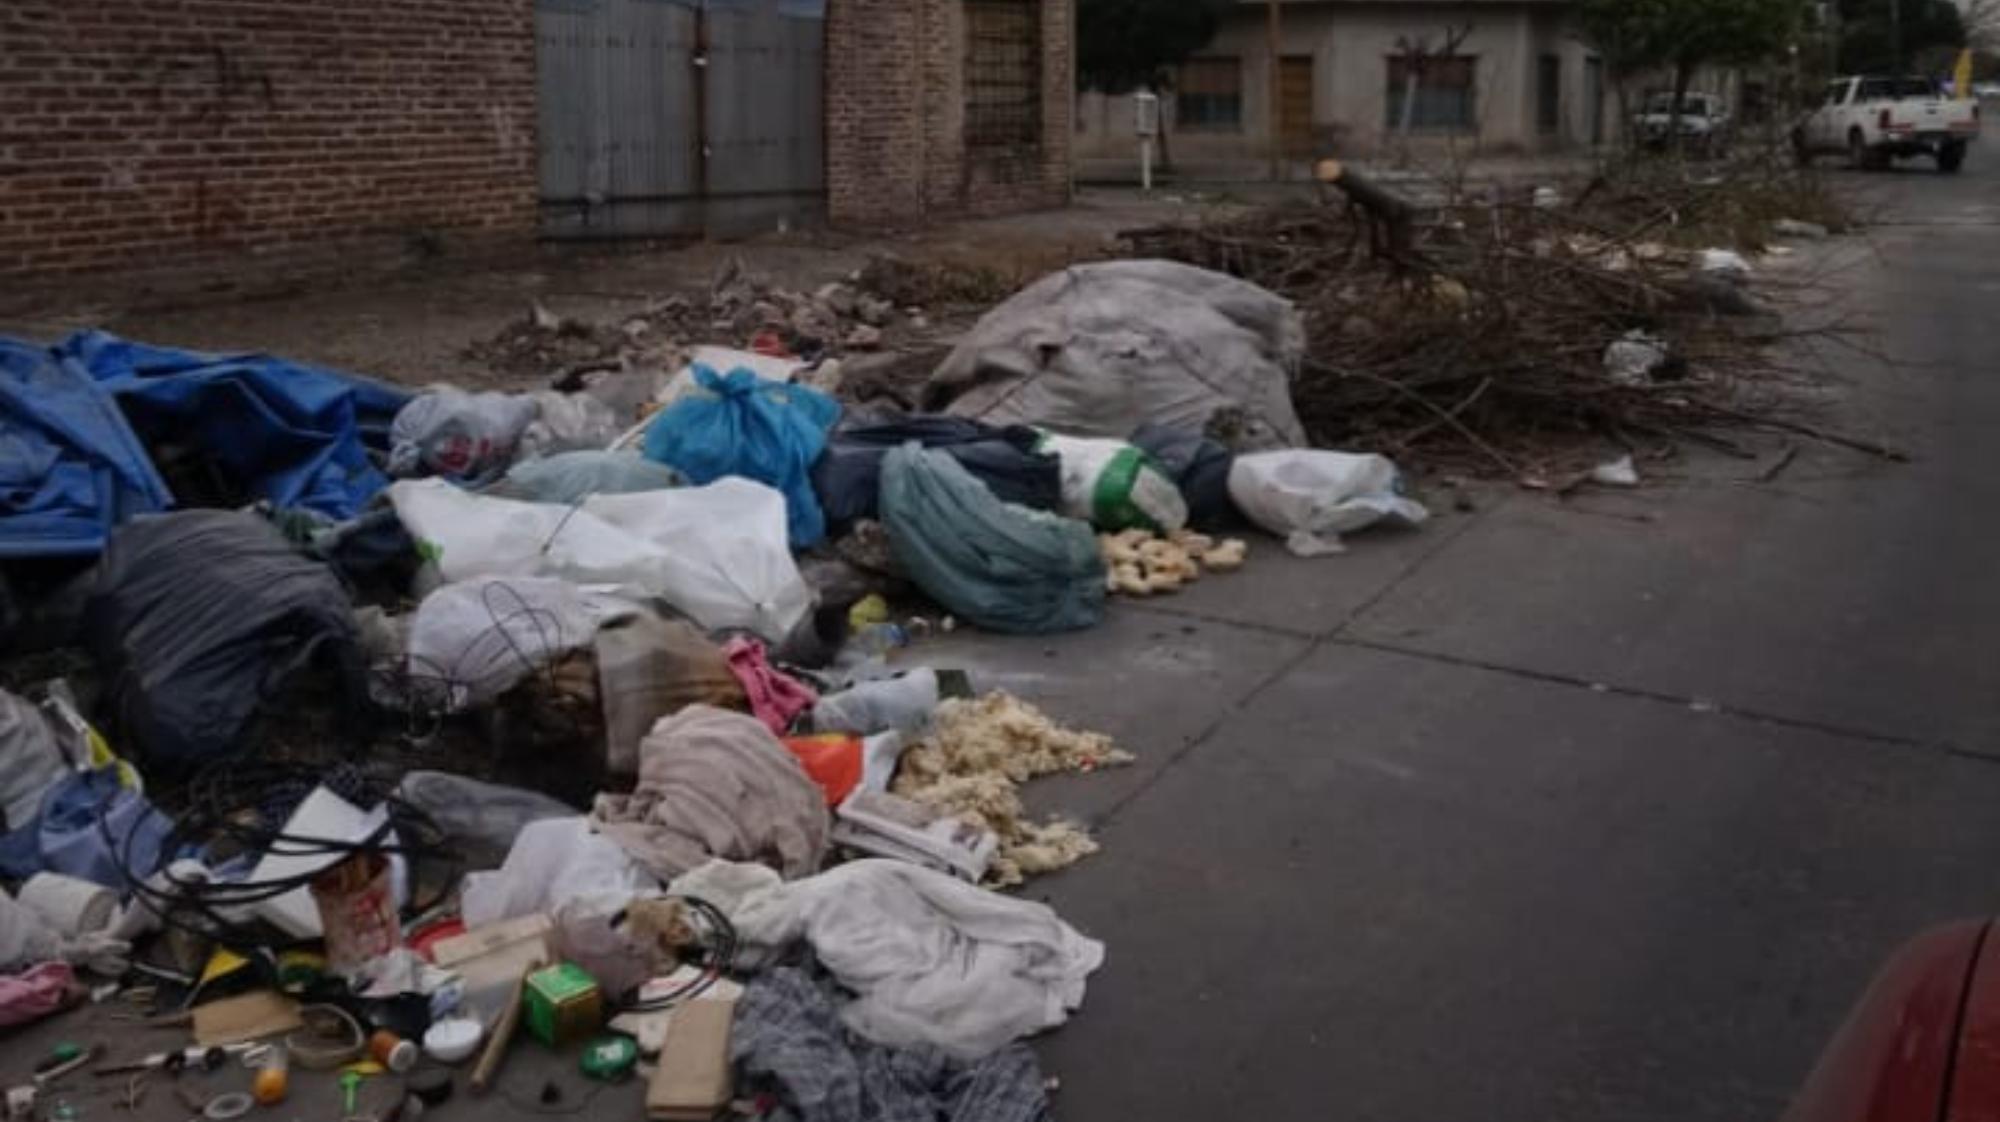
719	944
239	809
519	635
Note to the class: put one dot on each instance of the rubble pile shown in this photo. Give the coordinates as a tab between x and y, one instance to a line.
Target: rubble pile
840	317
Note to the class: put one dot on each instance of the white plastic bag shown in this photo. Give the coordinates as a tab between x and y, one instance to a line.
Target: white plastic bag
1310	497
717	553
567	422
553	861
446	431
475	639
1114	485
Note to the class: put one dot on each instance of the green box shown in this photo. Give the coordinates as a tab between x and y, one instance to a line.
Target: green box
561	1005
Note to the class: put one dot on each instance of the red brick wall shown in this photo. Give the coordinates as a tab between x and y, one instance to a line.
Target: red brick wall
190	138
896	151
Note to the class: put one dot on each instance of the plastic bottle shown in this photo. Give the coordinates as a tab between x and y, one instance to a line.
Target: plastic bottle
273	1078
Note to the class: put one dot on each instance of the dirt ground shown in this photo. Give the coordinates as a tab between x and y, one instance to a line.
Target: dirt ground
414	326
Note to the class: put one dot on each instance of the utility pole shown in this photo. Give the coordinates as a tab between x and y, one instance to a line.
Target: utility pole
1896	36
1274	32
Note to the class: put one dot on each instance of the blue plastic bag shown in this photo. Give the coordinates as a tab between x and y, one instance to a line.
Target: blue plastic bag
744	425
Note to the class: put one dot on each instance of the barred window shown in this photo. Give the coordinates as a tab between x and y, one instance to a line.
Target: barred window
1444	90
1209	94
1003	73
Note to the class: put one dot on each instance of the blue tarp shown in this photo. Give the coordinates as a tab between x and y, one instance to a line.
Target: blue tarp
76	420
70	467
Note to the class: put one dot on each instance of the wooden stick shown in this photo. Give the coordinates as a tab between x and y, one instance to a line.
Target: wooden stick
503	1035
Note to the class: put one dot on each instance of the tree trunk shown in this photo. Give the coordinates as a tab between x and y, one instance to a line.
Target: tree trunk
1683	74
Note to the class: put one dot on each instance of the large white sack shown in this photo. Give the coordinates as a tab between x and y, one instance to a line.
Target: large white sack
1310	497
717	553
1098	350
474	639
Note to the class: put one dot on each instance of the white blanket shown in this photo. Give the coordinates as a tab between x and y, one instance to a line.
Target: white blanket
932	960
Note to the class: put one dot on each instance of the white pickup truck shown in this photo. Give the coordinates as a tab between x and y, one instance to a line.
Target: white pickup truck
1876	120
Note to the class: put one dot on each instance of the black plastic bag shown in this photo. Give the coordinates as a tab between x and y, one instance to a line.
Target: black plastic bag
197	618
1199	466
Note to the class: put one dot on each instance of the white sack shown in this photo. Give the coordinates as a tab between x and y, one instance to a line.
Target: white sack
477	638
717	553
1310	497
1098	350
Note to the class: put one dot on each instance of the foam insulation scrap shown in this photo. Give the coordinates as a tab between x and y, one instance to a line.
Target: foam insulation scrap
971	765
1139	563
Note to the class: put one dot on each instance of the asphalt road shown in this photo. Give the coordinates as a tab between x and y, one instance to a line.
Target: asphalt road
1605	809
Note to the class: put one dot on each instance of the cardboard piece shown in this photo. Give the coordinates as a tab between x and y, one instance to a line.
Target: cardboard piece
323	814
246	1016
693	1080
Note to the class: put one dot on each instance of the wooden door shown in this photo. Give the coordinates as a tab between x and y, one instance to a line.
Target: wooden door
1295	104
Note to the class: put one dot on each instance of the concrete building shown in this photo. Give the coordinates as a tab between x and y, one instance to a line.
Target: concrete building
1517	79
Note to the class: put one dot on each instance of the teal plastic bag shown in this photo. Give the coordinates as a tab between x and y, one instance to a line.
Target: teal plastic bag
741	424
1000	566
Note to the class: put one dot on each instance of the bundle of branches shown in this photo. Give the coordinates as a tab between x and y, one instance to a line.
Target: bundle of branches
1483	345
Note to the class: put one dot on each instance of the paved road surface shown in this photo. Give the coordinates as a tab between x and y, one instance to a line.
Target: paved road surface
1585	812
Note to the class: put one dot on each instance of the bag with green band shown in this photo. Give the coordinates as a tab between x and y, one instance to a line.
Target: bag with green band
1114	485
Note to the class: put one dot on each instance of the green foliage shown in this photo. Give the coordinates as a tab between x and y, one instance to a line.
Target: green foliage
1639	34
1868	38
1125	44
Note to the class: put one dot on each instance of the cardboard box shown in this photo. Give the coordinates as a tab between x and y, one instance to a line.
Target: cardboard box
561	1005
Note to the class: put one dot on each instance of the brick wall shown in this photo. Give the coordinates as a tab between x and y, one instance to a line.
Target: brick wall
191	138
896	150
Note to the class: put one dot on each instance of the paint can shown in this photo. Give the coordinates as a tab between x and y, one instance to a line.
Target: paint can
357	911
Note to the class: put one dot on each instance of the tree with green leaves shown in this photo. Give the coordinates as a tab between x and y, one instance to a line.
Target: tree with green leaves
1126	45
1684	35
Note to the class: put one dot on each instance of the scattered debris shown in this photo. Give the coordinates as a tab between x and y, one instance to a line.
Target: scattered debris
973	761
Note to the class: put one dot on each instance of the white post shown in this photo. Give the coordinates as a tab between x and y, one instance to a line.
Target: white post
1146	164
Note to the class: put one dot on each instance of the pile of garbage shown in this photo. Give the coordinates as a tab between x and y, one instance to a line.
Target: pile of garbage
274	796
1510	337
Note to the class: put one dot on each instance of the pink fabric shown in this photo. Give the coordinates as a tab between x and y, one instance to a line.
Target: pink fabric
776	698
34	993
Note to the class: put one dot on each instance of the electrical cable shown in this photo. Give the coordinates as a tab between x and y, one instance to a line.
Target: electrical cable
237	808
719	942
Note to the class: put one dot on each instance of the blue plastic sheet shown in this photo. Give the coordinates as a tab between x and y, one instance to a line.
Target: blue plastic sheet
70	467
744	425
77	420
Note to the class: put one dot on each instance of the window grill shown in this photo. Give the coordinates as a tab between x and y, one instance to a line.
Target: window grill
1003	73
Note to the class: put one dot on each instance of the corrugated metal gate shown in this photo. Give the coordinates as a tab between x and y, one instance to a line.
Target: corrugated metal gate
680	116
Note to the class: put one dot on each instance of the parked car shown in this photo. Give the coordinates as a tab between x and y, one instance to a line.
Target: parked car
1703	123
1923	1043
1984	90
1876	120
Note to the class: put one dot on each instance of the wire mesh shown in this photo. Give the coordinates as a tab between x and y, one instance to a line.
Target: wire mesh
1003	73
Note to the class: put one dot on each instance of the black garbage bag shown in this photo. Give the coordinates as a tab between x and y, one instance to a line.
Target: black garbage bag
1199	466
197	618
848	475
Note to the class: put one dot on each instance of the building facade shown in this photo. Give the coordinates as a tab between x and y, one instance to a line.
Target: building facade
194	141
1358	77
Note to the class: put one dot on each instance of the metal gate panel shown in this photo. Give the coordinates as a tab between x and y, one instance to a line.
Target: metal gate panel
649	77
568	96
765	109
680	116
